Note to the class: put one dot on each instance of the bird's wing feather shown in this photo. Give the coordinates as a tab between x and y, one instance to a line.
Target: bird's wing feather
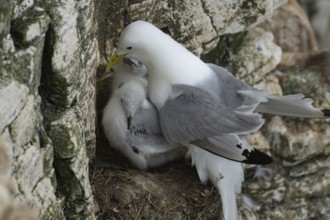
290	105
234	93
234	148
195	114
228	86
145	130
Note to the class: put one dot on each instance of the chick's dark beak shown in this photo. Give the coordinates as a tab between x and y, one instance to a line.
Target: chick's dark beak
129	120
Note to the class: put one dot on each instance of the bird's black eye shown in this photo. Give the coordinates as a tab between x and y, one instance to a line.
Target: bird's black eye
128	48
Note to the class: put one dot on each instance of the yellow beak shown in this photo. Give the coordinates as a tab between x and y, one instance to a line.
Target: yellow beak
114	60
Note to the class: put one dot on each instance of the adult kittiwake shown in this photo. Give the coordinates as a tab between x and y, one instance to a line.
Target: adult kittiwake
199	103
130	121
196	101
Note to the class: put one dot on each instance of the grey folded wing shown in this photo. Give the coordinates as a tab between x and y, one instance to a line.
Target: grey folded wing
228	85
195	114
235	148
234	93
145	131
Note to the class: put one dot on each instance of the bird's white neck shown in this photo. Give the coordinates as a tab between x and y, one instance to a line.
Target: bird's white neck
159	91
173	65
178	66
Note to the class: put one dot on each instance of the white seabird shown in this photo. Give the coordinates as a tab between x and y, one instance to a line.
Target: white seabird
130	121
200	103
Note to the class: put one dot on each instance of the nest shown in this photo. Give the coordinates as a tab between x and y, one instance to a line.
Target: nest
170	192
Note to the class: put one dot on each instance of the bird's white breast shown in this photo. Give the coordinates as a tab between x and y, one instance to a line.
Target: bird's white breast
164	73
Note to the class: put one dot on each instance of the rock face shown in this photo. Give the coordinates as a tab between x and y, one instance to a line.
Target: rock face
292	29
48	61
318	13
10	209
300	183
196	24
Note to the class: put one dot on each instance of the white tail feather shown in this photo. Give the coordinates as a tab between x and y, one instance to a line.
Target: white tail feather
225	174
290	105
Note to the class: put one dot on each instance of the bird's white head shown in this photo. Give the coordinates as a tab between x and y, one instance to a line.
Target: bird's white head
141	40
133	93
167	61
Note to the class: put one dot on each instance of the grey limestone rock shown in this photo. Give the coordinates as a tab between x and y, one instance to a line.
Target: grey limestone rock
292	29
48	60
197	24
300	184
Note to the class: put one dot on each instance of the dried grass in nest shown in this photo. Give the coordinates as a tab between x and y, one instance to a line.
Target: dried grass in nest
170	192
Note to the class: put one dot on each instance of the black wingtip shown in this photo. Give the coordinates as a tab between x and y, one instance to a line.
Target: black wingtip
326	112
256	157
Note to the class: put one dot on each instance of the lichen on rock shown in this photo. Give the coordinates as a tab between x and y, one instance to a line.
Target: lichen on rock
26	65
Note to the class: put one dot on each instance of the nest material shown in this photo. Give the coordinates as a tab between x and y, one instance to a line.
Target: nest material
170	192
